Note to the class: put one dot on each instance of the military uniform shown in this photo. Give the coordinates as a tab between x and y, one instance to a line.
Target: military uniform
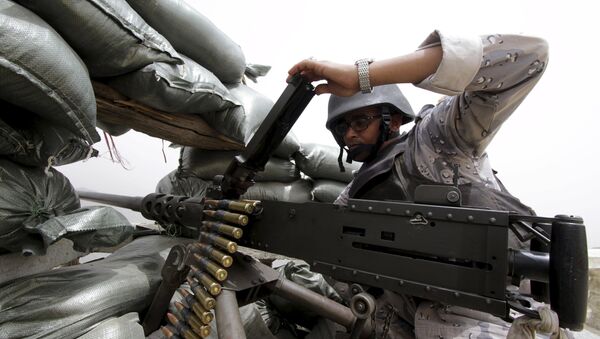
485	79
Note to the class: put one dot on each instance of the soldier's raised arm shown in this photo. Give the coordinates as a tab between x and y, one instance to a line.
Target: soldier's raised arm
486	78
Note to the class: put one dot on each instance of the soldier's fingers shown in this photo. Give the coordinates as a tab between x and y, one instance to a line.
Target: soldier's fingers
322	89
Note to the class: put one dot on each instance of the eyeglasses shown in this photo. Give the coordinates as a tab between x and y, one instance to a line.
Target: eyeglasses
358	124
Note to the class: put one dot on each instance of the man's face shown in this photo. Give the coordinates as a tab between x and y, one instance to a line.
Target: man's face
363	128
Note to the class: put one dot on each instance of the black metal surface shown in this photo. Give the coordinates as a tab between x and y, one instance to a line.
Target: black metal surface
132	203
229	322
249	278
173	274
276	125
458	256
569	271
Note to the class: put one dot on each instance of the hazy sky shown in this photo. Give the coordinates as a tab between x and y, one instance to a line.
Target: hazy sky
546	153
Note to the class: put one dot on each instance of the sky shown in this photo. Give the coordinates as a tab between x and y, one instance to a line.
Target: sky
547	153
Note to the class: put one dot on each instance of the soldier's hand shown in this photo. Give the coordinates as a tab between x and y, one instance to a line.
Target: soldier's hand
340	79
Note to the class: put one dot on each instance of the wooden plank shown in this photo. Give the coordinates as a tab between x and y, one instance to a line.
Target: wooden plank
182	129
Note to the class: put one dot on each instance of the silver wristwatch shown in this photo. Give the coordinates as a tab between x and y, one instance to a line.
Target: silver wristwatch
362	67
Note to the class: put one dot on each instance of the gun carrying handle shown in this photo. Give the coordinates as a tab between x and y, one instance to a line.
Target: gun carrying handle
569	271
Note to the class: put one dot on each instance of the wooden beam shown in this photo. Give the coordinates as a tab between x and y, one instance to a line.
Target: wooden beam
181	129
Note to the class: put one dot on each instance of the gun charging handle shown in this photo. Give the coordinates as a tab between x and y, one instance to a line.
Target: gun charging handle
568	274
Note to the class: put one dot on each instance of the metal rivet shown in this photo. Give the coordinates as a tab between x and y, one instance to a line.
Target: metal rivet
480	80
353	206
407	212
449	216
456	294
492	220
531	71
354	272
428	288
452	196
388	210
488	301
401	282
370	208
333	268
376	277
470	218
314	263
500	85
430	214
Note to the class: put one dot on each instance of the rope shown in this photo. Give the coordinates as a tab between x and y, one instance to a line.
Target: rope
526	327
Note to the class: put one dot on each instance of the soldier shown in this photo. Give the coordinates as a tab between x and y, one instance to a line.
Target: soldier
484	80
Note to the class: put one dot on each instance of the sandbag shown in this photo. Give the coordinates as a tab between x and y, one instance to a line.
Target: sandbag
242	121
39	206
185	88
113	129
69	301
321	162
194	35
31	140
297	191
177	183
109	35
327	190
41	73
206	164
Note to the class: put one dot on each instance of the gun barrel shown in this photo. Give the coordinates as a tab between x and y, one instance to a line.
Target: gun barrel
132	203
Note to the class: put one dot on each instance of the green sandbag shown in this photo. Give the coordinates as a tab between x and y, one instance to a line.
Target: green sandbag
177	183
241	122
185	88
30	140
321	162
41	73
206	164
194	35
109	35
327	190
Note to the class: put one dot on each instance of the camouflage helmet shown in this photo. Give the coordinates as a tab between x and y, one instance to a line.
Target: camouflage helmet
389	95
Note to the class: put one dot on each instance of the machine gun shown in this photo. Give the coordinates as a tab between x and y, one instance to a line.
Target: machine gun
432	248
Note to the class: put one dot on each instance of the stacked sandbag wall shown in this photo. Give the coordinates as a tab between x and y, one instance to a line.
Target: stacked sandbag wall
320	163
47	119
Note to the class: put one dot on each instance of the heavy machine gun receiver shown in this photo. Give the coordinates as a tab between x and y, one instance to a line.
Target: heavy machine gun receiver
432	248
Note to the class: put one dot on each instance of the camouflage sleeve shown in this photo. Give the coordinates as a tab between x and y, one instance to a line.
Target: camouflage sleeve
342	199
487	77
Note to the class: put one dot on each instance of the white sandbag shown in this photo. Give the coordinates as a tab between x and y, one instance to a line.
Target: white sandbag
41	73
109	35
321	162
185	88
194	35
207	164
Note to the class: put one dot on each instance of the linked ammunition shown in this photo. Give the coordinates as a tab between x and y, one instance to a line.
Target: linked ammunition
184	330
212	286
203	314
257	204
195	323
238	219
201	295
219	273
222	228
169	332
203	247
238	206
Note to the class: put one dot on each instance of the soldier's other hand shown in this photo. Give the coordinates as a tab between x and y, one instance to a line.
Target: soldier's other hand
340	79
